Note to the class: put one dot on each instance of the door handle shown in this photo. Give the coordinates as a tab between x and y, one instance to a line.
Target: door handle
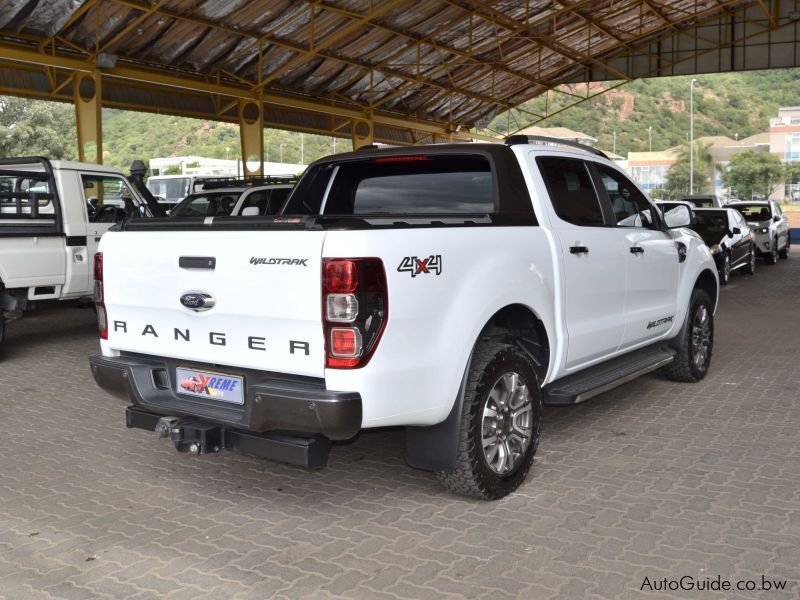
578	250
637	250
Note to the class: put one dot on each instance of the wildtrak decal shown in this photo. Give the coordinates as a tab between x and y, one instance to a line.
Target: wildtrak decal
300	262
660	322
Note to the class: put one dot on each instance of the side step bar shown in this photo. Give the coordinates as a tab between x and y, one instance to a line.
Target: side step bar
201	437
576	388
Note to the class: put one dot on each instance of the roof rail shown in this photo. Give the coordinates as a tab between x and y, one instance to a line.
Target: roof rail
513	140
211	183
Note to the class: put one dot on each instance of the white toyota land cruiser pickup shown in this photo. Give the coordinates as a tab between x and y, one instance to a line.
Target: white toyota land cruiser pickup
52	215
448	289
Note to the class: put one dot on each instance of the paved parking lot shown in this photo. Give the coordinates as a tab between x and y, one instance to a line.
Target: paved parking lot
654	479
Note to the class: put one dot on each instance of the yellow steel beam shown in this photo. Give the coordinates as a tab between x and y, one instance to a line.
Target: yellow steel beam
153	78
770	16
89	124
251	135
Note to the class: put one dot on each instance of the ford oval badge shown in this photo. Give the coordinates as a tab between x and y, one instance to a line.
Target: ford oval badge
197	301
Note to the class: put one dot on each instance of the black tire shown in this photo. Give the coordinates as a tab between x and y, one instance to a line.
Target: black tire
725	270
686	366
750	269
473	475
785	252
772	257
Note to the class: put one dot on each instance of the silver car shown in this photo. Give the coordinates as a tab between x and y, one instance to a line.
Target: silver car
770	226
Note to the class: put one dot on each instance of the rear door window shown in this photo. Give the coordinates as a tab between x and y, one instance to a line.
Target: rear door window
400	185
571	190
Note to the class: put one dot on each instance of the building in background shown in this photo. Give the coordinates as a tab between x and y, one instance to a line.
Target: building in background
200	165
784	141
649	169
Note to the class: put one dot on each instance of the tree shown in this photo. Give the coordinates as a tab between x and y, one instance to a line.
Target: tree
753	174
678	181
791	175
37	128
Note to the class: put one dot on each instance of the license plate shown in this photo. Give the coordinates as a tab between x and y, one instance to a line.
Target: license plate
211	385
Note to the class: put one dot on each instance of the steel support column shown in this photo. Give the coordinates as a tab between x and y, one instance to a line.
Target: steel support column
362	132
88	116
251	134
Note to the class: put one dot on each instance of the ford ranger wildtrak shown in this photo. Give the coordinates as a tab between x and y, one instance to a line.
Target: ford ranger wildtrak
450	289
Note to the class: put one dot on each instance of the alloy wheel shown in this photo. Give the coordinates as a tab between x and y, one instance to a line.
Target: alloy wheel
507	423
701	336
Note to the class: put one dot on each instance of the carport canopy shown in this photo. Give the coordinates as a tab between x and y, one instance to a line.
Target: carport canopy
393	71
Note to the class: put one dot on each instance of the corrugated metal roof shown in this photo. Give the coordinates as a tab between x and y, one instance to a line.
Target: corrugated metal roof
449	61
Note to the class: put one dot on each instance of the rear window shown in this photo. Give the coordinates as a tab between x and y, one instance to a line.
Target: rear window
210	204
754	212
399	185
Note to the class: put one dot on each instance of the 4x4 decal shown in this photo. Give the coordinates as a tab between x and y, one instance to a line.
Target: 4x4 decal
421	266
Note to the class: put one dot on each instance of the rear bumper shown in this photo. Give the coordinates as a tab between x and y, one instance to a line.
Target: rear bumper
272	402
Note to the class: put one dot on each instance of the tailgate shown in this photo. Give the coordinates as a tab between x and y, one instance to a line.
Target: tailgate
265	288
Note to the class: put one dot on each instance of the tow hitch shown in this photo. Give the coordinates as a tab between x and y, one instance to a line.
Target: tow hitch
196	436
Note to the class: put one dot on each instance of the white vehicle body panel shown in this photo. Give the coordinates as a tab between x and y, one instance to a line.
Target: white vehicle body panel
275	304
586	303
44	261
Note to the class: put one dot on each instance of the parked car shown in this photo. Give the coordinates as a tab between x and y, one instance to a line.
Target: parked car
448	289
703	200
771	228
171	189
52	216
236	197
729	238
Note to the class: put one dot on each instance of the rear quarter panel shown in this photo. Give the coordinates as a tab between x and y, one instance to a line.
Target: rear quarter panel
434	319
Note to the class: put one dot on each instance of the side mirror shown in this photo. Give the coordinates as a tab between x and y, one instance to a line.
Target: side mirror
680	216
776	218
736	231
250	211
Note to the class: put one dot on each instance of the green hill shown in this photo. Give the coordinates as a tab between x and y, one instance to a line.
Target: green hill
726	104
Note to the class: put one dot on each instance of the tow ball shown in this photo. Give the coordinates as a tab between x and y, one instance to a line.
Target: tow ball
191	435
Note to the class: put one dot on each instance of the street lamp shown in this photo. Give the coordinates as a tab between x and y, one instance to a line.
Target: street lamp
302	150
227	149
650	137
691	136
614	134
281	153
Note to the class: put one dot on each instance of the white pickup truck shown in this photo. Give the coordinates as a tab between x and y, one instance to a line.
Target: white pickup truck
52	216
449	289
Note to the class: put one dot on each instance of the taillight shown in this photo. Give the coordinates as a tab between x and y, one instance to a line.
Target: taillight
99	296
354	310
